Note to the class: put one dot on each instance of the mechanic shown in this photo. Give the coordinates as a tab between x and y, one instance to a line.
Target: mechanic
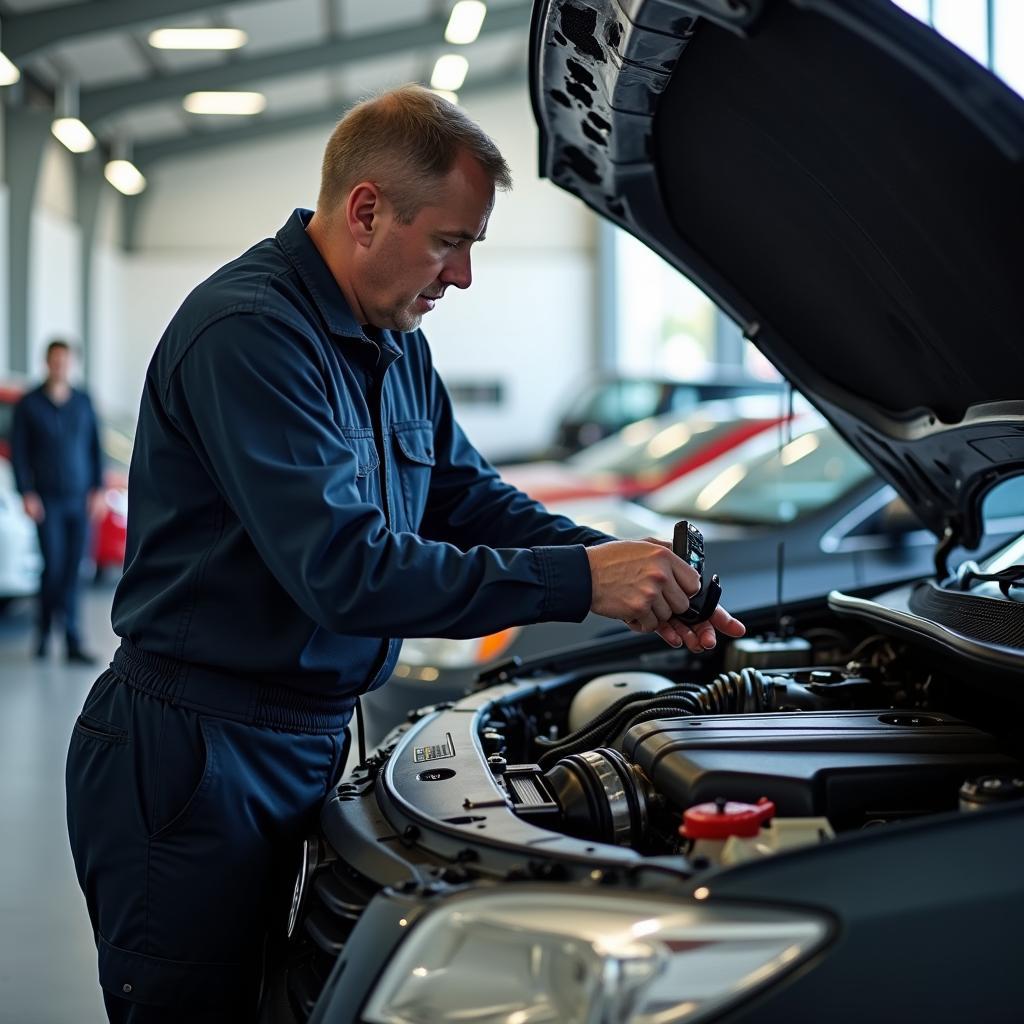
300	496
58	469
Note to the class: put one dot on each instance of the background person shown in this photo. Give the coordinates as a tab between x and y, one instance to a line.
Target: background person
301	496
55	451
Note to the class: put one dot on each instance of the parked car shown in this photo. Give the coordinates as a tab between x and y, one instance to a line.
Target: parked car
650	452
110	534
824	824
20	560
787	517
608	404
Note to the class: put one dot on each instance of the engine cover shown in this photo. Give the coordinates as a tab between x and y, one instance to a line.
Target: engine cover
853	767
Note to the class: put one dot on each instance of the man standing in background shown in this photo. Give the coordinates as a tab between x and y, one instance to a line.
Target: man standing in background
56	455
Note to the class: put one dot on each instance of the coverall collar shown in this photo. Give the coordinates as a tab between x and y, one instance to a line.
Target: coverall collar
318	278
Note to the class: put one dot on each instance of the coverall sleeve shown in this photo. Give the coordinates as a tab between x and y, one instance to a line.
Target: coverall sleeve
470	504
21	450
250	396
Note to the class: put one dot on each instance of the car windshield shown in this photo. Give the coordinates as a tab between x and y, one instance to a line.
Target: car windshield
767	487
648	446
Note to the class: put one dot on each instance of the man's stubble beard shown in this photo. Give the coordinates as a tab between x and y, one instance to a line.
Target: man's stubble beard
400	317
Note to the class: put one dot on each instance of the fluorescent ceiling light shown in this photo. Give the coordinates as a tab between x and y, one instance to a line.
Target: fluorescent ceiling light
125	177
9	72
73	133
197	38
449	72
445	94
464	24
233	103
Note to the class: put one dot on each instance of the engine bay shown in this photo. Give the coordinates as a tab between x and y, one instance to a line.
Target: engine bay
778	740
630	766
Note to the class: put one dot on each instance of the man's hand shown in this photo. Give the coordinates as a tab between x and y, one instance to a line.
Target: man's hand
646	585
33	506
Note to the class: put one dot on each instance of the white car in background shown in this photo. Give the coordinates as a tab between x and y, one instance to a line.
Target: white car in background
20	560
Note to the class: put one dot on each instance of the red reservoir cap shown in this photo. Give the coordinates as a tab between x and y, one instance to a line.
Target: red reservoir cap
725	818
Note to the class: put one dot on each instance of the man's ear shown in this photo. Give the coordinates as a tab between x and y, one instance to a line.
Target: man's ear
362	211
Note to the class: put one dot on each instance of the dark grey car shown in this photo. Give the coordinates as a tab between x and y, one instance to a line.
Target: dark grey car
825	825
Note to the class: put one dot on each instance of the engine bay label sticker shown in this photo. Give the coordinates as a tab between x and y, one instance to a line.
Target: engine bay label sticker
435	751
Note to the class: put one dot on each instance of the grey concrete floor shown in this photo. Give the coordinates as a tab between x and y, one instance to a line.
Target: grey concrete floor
47	956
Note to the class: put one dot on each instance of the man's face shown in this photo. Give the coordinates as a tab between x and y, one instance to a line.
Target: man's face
409	266
58	365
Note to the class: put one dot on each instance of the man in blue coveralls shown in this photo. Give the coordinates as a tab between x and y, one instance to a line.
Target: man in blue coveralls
55	452
300	496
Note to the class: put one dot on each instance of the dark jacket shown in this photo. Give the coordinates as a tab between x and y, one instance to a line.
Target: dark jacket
300	493
55	449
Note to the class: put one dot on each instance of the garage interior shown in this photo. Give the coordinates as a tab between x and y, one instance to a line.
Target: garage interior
119	195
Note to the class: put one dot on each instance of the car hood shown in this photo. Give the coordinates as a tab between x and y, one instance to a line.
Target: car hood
844	183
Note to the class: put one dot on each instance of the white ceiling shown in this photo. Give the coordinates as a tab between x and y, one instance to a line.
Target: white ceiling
124	56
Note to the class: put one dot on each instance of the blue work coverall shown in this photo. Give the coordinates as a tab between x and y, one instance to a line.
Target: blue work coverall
55	452
300	495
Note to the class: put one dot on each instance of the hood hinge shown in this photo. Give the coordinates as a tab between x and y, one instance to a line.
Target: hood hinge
949	540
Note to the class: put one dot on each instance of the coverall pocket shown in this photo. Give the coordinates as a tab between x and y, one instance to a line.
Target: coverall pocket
361	441
414	440
181	774
91	728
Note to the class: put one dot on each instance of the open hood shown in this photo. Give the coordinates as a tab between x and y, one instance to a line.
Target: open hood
844	183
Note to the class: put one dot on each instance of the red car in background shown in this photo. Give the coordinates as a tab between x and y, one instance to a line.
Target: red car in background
111	532
650	453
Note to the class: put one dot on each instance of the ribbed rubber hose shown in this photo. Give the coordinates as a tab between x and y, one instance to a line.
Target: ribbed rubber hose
729	693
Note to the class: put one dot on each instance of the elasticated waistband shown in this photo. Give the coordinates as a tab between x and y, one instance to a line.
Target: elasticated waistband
239	698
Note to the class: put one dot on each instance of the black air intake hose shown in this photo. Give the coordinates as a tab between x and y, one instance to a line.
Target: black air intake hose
736	693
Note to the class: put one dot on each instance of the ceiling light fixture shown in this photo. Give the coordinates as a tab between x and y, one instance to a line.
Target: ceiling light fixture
124	176
449	72
197	38
74	134
465	22
227	103
66	126
9	72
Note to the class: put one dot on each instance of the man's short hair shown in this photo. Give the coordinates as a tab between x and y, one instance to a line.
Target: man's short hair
405	141
57	344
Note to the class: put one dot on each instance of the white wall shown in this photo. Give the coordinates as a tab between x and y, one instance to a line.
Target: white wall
140	293
528	321
55	307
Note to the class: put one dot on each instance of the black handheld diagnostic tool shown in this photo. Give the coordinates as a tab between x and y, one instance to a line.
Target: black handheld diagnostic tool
688	544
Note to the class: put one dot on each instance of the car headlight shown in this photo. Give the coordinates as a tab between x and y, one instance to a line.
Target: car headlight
444	653
532	957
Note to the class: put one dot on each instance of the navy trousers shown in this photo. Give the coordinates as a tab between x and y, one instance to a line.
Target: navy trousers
185	828
62	536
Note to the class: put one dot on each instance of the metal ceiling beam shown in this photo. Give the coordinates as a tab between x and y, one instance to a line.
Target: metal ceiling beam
97	104
144	155
28	34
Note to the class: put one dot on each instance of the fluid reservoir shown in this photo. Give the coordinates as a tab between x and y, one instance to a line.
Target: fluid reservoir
729	832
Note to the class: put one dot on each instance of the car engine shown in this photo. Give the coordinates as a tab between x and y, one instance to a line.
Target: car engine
626	760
